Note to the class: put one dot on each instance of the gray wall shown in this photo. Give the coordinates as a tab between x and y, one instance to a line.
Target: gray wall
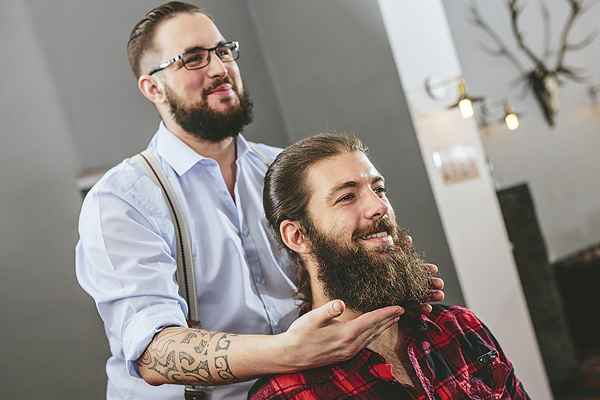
84	45
561	164
50	333
69	102
333	70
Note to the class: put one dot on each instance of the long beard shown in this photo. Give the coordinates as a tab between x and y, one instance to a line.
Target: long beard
207	124
370	279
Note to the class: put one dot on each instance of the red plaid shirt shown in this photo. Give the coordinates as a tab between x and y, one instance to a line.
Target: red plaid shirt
453	356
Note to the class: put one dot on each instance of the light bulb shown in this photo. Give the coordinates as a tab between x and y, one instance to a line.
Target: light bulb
466	108
512	121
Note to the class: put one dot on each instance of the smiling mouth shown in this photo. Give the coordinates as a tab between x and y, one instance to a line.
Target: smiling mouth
225	88
378	235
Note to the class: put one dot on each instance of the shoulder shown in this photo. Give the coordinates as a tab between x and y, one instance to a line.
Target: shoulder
264	150
127	184
462	326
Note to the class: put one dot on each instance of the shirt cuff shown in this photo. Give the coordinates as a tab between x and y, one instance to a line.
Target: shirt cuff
143	326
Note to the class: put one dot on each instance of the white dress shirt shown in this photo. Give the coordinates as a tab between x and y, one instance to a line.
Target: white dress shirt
125	258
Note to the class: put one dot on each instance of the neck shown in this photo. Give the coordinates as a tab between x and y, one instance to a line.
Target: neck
223	151
390	344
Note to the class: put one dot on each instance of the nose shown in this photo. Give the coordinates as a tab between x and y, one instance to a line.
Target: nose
375	206
216	67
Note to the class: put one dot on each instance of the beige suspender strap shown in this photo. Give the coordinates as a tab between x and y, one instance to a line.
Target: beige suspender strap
185	264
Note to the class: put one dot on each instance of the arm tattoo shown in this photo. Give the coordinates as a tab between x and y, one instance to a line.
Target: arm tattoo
189	337
223	369
221	360
185	357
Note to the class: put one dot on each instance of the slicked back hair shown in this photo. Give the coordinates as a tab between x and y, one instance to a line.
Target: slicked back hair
141	38
286	195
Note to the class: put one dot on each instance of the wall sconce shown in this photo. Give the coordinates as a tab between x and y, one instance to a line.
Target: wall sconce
464	101
508	117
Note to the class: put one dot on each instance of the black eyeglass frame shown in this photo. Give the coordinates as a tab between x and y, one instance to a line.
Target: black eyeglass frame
232	45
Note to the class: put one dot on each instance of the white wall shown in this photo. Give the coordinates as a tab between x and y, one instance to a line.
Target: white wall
469	210
560	164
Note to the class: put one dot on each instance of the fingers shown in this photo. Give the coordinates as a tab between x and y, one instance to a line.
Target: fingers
328	311
375	322
436	283
436	295
374	318
426	308
432	268
367	336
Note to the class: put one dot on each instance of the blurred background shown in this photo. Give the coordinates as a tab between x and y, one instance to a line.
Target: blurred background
490	157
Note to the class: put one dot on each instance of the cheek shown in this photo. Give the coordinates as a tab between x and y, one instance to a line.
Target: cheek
234	74
340	227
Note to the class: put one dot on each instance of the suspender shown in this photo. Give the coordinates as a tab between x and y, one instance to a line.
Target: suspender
185	265
186	276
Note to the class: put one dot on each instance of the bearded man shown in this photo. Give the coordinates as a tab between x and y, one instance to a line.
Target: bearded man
126	256
327	205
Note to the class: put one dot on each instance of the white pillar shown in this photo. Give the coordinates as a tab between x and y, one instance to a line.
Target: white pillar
422	47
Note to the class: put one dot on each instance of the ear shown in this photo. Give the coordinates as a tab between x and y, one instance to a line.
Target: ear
293	237
152	89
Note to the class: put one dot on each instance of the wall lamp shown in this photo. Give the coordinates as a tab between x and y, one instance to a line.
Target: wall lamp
464	101
500	111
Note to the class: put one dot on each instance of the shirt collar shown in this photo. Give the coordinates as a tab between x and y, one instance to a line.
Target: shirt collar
180	156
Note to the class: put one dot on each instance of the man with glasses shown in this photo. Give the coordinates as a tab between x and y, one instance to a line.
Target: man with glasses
126	253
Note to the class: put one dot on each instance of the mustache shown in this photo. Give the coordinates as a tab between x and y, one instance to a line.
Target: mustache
218	82
383	224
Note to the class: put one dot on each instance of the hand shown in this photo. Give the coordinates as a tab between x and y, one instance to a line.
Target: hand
435	284
317	338
437	288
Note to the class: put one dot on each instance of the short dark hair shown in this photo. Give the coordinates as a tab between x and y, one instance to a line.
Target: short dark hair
286	195
142	34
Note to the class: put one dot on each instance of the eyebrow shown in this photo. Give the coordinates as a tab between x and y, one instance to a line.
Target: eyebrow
196	48
351	184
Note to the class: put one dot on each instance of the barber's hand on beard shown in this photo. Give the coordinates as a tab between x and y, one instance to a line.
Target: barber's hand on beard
317	338
436	284
437	288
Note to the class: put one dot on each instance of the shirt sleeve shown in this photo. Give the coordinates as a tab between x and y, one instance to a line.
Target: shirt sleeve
124	261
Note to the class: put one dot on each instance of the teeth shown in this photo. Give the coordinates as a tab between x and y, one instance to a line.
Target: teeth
375	235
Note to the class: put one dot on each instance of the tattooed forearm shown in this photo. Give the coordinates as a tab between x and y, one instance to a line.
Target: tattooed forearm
223	342
186	356
189	337
221	359
223	369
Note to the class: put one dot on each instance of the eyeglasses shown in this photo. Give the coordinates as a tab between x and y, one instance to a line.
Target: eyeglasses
200	57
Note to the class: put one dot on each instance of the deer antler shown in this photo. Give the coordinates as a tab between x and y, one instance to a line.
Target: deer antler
502	49
515	11
547	30
570	72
